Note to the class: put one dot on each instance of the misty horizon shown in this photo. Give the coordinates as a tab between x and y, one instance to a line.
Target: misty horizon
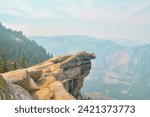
97	18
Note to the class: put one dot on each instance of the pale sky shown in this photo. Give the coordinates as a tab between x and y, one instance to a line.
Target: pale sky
128	19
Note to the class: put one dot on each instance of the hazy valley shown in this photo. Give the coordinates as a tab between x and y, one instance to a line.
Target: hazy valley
118	72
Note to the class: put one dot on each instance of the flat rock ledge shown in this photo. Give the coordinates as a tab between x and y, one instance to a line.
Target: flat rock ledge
59	78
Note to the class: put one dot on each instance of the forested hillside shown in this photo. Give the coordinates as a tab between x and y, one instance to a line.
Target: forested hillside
16	51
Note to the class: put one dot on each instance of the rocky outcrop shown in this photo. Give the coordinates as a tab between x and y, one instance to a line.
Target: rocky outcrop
59	78
10	91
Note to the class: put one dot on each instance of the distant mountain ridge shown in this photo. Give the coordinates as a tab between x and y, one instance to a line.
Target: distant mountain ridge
119	72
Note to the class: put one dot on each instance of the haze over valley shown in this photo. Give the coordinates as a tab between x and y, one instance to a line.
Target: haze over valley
119	72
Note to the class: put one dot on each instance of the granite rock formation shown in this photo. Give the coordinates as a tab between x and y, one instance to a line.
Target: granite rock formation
10	91
59	78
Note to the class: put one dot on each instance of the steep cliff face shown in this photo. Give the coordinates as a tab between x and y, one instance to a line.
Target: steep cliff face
61	77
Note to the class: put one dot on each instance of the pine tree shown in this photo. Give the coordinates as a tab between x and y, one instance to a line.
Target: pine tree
23	62
51	55
1	67
3	62
14	65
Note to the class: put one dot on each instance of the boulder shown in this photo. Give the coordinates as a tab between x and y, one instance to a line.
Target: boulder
28	83
35	74
59	91
15	76
43	94
19	92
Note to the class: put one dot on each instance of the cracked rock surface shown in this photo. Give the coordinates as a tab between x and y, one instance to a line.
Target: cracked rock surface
59	78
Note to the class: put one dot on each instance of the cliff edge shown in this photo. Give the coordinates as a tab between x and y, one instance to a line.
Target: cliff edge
59	78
